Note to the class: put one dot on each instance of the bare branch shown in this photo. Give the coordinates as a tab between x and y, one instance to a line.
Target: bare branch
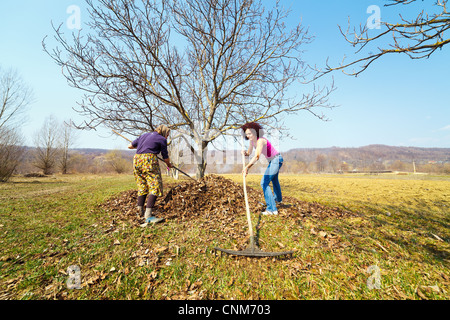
15	97
417	38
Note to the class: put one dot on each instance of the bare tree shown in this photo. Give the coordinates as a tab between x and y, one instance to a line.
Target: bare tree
11	152
117	162
321	161
201	67
66	141
15	97
333	162
417	38
79	163
46	142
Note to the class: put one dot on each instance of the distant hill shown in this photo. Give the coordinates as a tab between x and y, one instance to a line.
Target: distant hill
375	152
96	151
298	160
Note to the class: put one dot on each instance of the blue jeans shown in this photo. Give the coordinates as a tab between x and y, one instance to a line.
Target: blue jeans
271	175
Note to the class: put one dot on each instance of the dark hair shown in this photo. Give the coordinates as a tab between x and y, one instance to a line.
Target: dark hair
253	126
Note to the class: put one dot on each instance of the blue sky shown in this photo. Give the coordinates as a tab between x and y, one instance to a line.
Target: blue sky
397	101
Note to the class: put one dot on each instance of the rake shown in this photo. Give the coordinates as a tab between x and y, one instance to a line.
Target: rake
252	249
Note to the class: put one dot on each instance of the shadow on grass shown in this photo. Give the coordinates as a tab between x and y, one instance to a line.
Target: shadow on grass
422	234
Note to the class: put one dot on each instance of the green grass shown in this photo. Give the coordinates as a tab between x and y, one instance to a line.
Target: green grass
401	226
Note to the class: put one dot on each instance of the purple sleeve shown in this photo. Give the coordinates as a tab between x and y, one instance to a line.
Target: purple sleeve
164	152
135	142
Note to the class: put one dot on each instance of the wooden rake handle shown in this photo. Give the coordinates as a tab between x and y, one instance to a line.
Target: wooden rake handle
121	136
250	227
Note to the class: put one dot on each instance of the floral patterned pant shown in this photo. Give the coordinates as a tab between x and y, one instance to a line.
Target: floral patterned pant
147	174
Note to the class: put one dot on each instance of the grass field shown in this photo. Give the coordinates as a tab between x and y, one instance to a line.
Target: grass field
396	246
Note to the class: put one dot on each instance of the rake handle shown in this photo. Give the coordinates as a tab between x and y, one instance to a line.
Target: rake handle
250	227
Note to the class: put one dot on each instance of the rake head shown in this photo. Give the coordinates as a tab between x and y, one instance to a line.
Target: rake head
254	251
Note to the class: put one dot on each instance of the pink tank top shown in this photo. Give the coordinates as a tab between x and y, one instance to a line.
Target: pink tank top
269	151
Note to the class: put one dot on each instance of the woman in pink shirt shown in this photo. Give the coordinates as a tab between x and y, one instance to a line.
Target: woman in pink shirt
254	132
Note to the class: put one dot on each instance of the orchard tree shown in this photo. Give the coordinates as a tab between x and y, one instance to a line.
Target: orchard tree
11	152
202	67
66	141
15	97
46	141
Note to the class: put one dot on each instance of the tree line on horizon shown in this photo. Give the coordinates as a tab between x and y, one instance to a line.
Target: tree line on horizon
297	161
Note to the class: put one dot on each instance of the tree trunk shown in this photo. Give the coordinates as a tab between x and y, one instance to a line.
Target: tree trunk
201	168
64	160
47	168
201	159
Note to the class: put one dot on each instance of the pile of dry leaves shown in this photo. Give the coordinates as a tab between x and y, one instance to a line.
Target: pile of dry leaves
215	195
